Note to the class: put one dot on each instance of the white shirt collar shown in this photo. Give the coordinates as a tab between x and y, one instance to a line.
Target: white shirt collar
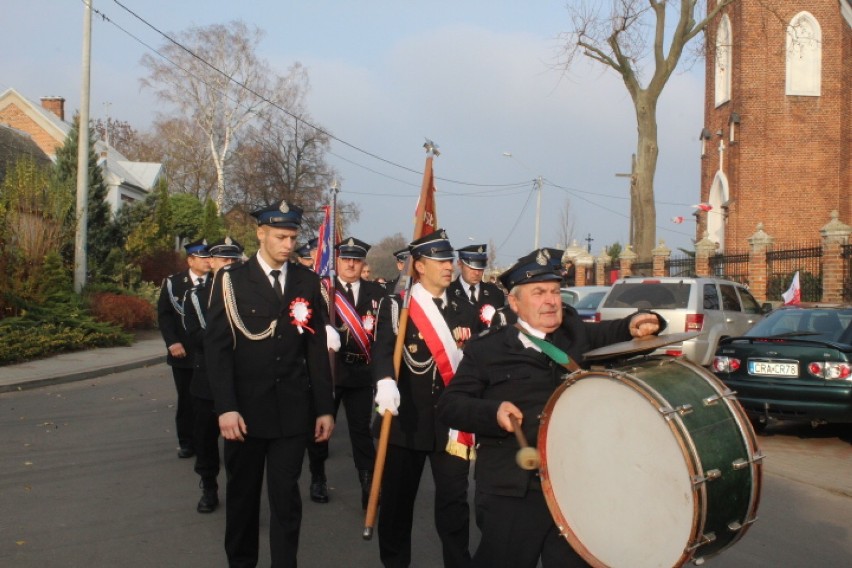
532	331
267	269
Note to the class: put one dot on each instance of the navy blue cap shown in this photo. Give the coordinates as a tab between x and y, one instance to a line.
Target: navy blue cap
197	248
537	266
474	256
281	216
555	257
304	251
352	248
226	248
402	254
434	245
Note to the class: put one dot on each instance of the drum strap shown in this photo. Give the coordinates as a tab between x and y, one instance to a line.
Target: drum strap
556	354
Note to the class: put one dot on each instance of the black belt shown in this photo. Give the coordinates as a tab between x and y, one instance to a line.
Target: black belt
354	358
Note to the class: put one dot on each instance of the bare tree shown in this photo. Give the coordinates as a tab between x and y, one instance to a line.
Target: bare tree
626	35
282	156
214	78
181	147
566	226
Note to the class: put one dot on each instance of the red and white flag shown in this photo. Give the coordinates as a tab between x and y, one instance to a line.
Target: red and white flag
793	295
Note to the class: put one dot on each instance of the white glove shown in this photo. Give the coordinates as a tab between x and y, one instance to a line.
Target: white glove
332	338
387	396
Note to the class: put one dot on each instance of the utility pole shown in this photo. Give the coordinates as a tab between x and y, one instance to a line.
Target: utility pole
634	200
83	155
538	185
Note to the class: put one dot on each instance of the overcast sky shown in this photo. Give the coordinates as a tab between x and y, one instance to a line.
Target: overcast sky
476	76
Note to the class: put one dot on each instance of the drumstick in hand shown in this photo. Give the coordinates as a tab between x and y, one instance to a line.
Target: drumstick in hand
527	457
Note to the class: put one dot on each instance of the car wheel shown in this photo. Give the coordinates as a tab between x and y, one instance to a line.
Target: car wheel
758	424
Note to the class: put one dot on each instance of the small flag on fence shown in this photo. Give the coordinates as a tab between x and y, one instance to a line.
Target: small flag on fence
793	295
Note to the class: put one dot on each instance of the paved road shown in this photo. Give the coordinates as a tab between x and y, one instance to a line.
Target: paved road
89	478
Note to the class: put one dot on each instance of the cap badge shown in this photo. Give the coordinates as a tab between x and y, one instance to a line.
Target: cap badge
284	207
479	250
443	234
351	242
228	241
204	242
541	258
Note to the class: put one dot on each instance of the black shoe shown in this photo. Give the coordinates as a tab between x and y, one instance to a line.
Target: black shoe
319	489
208	502
366	479
185	452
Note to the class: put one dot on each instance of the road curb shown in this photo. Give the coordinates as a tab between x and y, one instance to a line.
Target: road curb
81	375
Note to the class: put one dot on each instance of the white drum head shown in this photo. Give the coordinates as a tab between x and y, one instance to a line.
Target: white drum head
618	475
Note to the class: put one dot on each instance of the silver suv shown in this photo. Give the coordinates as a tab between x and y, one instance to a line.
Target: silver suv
713	307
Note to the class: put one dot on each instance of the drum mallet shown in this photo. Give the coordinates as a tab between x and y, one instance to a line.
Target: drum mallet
527	457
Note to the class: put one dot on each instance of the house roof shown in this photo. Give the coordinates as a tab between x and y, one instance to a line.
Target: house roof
117	168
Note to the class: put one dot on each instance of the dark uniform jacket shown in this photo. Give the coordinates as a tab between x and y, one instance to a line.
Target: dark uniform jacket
194	323
170	311
416	426
278	384
489	294
352	370
497	367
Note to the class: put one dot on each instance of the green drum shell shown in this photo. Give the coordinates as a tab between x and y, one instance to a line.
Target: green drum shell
717	437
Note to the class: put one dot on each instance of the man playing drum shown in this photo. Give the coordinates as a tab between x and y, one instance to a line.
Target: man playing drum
509	373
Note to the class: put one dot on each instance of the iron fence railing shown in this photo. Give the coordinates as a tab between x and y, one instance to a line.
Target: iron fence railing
782	265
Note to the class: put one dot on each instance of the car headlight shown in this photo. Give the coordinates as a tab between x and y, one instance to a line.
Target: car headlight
723	364
830	370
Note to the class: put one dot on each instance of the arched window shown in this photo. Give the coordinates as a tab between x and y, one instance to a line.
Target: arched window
804	56
723	60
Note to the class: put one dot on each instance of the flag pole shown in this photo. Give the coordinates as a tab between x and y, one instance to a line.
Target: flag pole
332	275
420	219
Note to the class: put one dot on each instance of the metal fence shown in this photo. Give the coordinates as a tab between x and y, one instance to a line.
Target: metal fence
782	265
732	266
846	254
681	265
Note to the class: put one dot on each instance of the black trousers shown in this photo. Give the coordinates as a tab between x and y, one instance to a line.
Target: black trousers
518	531
358	403
244	464
317	454
206	436
400	481
185	413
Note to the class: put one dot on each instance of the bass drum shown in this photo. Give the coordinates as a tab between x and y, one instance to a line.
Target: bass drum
654	465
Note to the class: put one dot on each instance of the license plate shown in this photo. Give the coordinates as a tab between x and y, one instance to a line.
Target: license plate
773	369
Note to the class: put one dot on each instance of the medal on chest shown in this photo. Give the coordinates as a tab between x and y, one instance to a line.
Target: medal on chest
300	312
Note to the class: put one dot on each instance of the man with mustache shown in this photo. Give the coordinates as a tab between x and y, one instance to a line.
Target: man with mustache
506	372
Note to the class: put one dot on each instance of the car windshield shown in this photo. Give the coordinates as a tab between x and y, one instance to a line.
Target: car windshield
590	302
817	323
649	294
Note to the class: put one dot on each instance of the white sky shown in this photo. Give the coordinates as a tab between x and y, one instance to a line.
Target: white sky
475	76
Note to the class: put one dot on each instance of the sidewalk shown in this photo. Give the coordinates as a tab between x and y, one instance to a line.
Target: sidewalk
80	365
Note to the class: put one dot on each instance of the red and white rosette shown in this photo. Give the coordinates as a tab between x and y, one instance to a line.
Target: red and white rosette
486	313
300	311
369	322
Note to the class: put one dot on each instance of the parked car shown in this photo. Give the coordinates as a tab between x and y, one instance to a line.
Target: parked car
713	307
587	307
796	364
574	294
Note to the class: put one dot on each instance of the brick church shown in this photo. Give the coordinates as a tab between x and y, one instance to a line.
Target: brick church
777	137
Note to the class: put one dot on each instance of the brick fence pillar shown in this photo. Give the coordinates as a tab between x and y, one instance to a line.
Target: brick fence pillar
704	249
834	235
758	271
661	254
602	262
626	260
583	262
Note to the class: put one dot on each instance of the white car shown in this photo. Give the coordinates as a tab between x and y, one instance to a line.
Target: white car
574	294
713	307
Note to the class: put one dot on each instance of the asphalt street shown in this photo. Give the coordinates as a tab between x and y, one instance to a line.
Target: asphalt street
89	478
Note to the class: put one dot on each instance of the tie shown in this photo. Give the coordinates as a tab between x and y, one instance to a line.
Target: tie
350	295
276	283
473	293
201	282
440	303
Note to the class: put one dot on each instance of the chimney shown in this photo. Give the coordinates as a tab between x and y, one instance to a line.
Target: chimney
56	105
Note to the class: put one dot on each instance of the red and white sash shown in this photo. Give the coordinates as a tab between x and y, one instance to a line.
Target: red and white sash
347	314
441	343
